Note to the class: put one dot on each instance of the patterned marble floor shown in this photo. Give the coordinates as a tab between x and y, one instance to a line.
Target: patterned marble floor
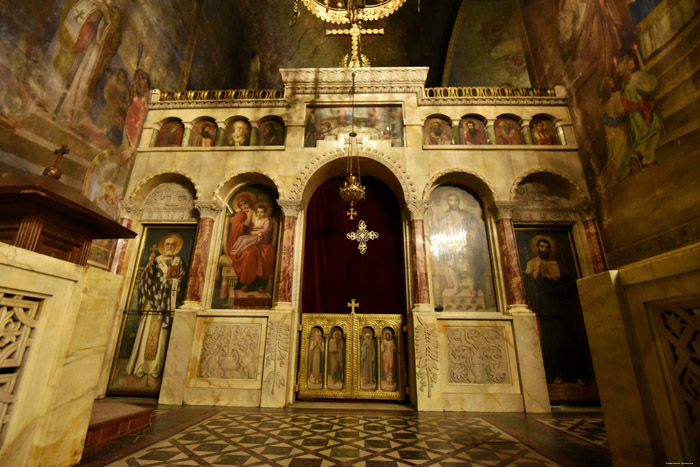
358	436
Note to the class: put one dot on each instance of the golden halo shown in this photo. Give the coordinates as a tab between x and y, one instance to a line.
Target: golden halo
537	238
177	236
253	199
388	333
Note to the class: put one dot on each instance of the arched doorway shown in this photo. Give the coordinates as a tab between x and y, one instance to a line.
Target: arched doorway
353	297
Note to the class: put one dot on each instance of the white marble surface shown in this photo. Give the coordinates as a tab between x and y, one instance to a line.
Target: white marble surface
530	363
49	419
172	389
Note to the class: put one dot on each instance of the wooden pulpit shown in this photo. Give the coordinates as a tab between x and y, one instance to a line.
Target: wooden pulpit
41	214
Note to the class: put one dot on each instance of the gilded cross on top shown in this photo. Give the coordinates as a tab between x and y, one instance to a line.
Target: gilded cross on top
352	305
362	235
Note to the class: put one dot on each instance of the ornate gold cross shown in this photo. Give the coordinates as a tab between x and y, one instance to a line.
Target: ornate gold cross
356	59
362	235
353	304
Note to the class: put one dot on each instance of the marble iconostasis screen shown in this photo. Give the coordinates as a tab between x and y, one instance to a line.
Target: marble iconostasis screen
375	123
462	279
246	269
158	288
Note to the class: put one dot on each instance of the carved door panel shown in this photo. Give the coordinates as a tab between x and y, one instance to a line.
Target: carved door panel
353	356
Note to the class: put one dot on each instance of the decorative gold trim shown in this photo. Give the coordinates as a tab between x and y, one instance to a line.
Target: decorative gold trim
485	91
351	325
222	95
340	15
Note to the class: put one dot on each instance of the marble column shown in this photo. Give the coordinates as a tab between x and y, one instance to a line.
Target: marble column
286	275
127	213
220	132
595	246
525	130
456	139
515	291
419	270
253	133
533	381
491	130
561	132
154	135
186	135
208	210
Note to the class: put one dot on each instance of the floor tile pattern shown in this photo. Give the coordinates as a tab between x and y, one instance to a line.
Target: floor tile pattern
307	439
588	429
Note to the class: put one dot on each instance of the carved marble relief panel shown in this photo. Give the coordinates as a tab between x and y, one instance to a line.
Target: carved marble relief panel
228	353
477	354
169	202
18	320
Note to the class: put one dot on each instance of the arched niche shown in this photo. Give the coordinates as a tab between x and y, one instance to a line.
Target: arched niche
204	131
543	130
271	131
237	132
460	245
472	130
437	130
372	163
508	130
170	133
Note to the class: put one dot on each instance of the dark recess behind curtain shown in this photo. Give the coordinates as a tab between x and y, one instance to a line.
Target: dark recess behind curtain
334	270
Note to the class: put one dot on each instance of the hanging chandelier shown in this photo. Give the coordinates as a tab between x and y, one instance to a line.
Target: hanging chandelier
352	190
353	13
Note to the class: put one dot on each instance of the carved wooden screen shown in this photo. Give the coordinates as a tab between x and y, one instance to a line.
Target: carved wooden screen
352	356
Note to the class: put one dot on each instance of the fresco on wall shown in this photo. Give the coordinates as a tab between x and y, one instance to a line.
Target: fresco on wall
246	270
543	132
488	46
237	133
377	123
203	134
158	288
472	131
271	133
508	131
438	132
459	249
629	77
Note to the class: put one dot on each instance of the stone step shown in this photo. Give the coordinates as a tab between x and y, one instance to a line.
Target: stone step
112	420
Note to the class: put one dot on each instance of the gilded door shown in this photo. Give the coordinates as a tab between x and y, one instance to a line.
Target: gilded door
352	356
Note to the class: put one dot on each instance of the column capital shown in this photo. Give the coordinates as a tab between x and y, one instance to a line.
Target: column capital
525	122
221	124
587	209
418	208
208	209
188	125
490	121
128	208
504	209
290	207
157	126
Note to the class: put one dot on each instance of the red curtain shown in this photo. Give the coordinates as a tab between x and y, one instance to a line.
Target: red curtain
334	270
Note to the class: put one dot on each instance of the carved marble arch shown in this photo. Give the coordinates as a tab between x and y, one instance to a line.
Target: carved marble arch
469	179
372	162
169	202
243	177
